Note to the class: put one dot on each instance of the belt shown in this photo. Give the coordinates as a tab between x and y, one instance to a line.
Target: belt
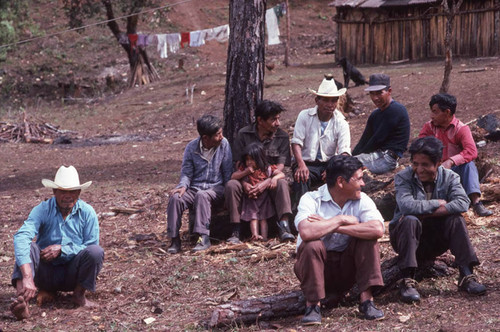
392	154
316	163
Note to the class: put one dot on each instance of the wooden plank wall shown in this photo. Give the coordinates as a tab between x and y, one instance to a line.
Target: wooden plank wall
416	32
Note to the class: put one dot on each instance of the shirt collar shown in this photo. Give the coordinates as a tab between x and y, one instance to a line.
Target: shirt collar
324	193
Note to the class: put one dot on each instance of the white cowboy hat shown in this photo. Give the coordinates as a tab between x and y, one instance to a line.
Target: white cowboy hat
66	179
328	88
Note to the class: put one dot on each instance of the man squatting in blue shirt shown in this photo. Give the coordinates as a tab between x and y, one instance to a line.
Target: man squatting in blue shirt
66	255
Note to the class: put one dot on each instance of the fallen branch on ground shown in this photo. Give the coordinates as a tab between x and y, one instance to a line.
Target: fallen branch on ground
293	303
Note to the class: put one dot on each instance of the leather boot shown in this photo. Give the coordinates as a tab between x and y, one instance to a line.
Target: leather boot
235	234
467	282
284	231
175	246
203	243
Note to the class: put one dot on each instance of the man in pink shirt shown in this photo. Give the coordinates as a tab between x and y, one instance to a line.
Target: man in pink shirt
459	147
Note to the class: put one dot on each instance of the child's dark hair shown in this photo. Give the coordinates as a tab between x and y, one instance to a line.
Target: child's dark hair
256	151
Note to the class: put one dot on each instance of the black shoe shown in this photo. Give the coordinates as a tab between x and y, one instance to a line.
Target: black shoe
175	246
203	243
235	237
470	285
408	291
369	311
312	315
284	231
480	210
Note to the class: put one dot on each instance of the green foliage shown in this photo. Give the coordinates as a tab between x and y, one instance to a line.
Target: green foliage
13	16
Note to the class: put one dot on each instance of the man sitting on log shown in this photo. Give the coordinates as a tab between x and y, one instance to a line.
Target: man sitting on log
387	130
459	147
206	167
428	221
320	133
337	245
276	143
66	255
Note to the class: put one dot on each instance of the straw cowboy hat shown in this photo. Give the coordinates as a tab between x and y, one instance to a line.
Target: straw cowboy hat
328	88
66	179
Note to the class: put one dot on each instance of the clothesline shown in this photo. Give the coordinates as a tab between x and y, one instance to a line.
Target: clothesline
93	24
172	42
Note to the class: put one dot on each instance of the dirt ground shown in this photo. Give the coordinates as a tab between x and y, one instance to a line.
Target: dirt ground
129	142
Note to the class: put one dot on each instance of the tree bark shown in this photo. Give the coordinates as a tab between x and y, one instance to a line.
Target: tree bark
287	39
450	7
245	64
293	303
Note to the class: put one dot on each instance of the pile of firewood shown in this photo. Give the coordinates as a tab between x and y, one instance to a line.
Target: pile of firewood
29	131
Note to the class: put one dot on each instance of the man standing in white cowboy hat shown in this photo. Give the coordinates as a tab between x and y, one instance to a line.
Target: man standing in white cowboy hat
320	133
66	255
387	130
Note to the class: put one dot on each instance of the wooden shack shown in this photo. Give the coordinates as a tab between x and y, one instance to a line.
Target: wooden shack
380	31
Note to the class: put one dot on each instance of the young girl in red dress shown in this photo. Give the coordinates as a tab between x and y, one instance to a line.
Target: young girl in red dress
255	175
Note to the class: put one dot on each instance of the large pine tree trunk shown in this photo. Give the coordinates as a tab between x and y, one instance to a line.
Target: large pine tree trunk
245	64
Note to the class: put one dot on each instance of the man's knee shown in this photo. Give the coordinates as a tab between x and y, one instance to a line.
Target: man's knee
202	197
94	253
456	221
282	184
314	248
232	187
409	222
175	199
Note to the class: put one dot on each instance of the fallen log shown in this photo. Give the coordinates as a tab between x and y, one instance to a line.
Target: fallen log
250	311
265	308
126	210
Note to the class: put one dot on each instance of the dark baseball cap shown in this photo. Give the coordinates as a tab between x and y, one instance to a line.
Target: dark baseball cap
378	82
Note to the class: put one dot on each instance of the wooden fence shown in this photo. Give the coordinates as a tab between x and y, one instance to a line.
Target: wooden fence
381	35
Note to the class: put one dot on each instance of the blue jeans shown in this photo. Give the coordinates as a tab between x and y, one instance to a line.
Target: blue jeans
469	177
378	162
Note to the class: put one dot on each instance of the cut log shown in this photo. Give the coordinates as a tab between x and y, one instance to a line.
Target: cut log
265	308
293	303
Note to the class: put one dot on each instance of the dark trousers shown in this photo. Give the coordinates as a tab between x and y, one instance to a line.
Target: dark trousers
420	240
81	270
280	196
200	201
322	272
314	180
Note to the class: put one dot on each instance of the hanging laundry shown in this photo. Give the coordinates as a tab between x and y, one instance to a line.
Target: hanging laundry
220	33
174	42
123	39
280	11
142	40
132	37
197	38
151	40
162	45
273	32
184	39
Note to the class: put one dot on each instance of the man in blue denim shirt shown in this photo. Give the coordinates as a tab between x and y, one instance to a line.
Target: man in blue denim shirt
66	255
206	167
